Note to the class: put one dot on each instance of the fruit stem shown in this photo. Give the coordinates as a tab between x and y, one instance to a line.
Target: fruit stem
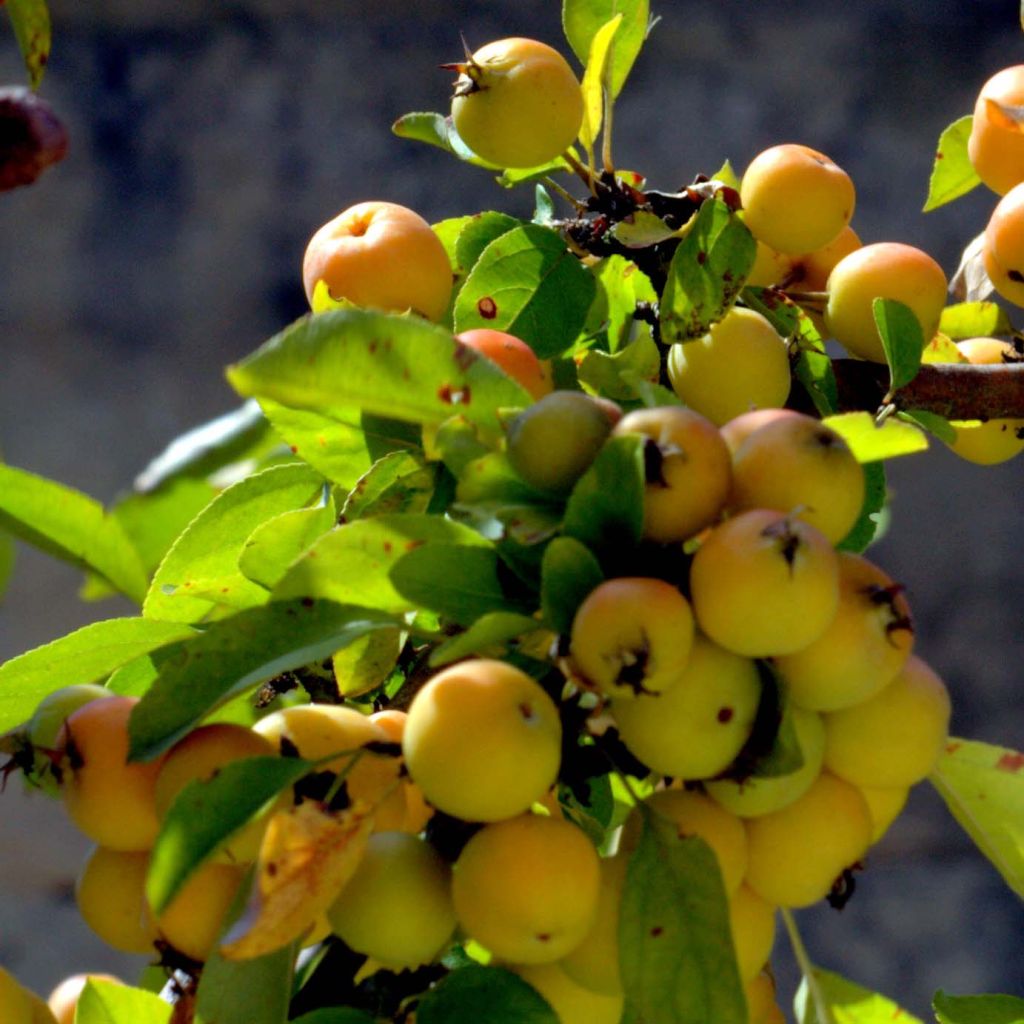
582	172
550	183
822	1009
606	135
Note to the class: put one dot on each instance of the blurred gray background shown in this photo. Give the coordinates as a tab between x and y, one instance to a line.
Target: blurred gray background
209	140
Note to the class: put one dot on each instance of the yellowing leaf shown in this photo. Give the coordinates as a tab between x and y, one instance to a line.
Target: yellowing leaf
307	857
594	82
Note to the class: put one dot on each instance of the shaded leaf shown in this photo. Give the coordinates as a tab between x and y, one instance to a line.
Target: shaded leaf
474	993
618	376
307	855
478	233
400	367
398	482
583	19
996	1009
70	526
335	1015
707	272
953	174
870	441
7	560
488	636
210	547
569	572
870	521
528	283
675	945
208	812
235	655
983	787
246	991
87	655
936	425
902	339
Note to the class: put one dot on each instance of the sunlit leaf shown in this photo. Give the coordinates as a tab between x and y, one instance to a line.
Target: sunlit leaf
953	174
583	19
848	1003
31	22
569	572
489	636
107	1002
983	786
472	994
274	545
398	482
307	855
871	441
974	320
594	79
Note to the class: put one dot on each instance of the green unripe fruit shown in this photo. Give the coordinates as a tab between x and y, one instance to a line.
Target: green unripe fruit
56	708
553	442
482	740
397	907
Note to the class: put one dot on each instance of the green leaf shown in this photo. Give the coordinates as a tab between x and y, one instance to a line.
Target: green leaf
7	559
606	508
583	19
870	441
255	991
596	78
996	1009
474	993
107	1002
902	339
206	813
953	174
394	366
785	754
352	563
489	636
458	582
569	572
983	786
849	1003
727	175
707	272
87	655
70	526
529	284
335	1015
436	130
935	424
31	22
398	482
621	285
334	445
618	376
274	545
210	547
974	320
675	944
242	433
235	655
480	230
870	522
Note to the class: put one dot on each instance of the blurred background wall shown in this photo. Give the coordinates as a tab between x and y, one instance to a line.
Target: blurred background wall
208	141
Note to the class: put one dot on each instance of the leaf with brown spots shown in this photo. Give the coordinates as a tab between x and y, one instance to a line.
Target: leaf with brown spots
307	857
983	786
953	174
31	22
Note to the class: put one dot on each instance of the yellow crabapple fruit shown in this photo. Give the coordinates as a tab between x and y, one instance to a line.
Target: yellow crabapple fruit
695	728
796	199
397	907
594	963
761	1004
111	897
764	584
752	921
316	731
762	794
770	267
862	648
739	428
572	1002
814	268
885	804
378	255
517	103
886	270
994	440
895	737
1003	248
798	852
194	920
110	799
688	471
552	443
632	635
482	740
199	756
798	465
14	1002
526	888
680	814
741	363
63	1000
39	1012
996	143
513	355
